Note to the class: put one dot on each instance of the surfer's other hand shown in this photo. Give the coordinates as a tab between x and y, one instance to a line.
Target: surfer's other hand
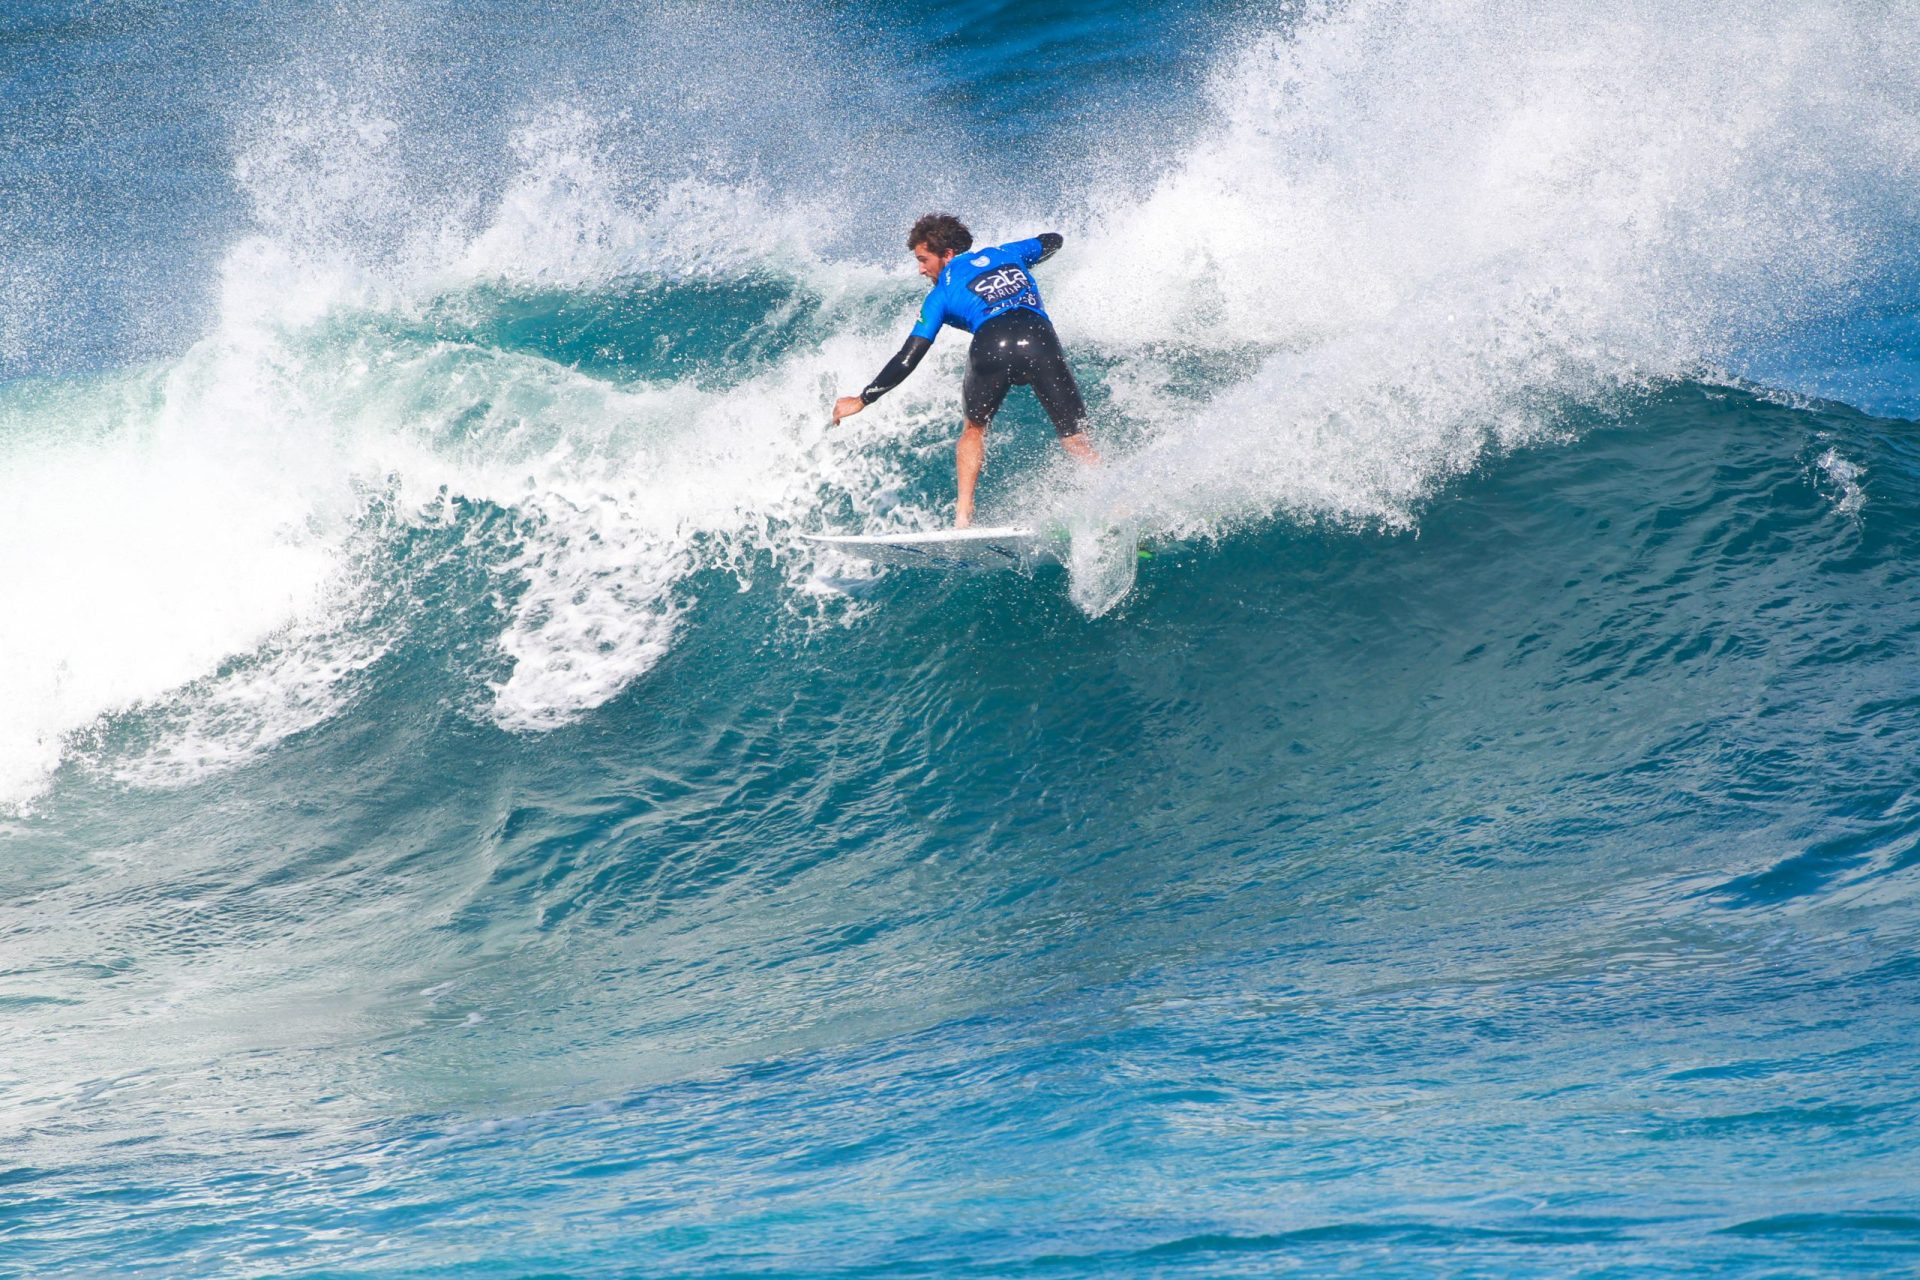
847	406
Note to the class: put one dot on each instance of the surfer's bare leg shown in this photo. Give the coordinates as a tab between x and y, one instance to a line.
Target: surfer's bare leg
967	457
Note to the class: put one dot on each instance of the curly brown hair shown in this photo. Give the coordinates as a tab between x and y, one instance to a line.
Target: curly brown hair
942	233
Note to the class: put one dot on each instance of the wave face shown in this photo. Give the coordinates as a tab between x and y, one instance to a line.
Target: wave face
454	824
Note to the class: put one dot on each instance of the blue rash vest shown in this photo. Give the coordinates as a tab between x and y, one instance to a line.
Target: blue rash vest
973	288
981	284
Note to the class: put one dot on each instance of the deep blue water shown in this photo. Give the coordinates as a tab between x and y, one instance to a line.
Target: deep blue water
453	825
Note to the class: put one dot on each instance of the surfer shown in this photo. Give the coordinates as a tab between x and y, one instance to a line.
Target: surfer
990	294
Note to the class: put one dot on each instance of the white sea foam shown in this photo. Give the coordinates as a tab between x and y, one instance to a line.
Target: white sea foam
136	560
159	529
300	679
1844	476
1426	229
566	218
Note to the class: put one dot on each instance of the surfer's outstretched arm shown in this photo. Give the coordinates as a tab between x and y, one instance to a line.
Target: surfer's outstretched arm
1037	250
904	362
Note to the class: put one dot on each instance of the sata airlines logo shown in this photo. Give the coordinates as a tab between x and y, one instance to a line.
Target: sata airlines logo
999	286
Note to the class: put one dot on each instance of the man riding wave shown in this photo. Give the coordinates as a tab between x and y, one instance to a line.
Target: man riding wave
990	294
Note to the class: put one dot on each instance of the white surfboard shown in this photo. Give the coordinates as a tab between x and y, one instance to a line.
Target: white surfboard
974	550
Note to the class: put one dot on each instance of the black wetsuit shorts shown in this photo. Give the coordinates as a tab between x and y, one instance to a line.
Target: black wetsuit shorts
1019	349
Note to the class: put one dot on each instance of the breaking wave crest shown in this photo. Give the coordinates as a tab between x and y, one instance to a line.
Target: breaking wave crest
1395	240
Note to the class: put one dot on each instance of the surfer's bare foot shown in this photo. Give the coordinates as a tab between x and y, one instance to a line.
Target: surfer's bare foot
961	519
1080	448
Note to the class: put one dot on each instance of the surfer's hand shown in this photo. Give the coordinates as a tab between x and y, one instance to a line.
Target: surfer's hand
847	406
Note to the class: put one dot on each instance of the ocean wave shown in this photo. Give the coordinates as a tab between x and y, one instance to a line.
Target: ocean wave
1397	243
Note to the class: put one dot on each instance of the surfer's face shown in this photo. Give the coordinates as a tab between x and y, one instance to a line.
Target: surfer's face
931	263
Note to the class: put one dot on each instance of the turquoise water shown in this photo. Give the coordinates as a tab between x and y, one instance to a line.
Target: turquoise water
455	826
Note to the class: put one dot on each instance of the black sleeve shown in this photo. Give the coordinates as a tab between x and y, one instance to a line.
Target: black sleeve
904	362
1050	242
